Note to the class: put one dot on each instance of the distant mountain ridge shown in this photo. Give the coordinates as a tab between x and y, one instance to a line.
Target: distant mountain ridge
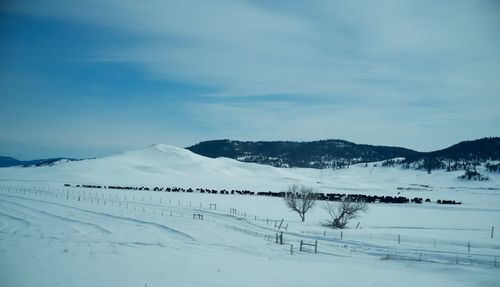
481	149
333	153
337	153
6	161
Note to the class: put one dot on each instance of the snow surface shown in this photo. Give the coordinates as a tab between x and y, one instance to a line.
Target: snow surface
51	235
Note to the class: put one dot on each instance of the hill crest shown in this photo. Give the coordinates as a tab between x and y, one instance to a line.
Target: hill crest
337	153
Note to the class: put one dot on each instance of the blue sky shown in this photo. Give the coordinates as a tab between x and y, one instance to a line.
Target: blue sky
89	78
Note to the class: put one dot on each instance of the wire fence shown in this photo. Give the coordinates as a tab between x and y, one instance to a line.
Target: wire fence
328	242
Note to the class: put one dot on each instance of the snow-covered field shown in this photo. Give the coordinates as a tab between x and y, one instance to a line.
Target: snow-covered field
51	235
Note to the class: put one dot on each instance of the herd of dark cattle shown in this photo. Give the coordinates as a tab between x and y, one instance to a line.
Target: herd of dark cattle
318	196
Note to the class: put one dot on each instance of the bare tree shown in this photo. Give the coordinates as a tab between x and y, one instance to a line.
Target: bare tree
300	199
342	212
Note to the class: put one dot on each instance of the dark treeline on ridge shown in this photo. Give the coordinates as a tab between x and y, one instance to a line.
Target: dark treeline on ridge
340	153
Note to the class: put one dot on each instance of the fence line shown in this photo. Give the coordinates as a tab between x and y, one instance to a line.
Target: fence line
87	197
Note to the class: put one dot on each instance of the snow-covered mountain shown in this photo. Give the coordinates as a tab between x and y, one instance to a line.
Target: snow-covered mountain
96	236
168	166
161	165
6	161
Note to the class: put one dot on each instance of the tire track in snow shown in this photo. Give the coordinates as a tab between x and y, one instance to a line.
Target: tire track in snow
38	218
236	223
23	223
62	218
162	227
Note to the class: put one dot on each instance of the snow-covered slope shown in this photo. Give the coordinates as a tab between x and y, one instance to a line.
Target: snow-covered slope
51	235
164	165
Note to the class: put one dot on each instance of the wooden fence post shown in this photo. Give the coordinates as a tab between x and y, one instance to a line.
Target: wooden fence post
316	247
492	230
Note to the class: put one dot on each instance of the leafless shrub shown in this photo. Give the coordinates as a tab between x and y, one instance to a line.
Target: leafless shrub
342	212
300	199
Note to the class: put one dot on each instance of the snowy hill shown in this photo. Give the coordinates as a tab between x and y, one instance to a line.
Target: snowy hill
164	165
147	238
6	161
160	165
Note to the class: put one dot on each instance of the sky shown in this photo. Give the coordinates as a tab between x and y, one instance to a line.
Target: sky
95	77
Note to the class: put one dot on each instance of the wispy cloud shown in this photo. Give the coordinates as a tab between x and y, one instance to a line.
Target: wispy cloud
244	48
384	69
